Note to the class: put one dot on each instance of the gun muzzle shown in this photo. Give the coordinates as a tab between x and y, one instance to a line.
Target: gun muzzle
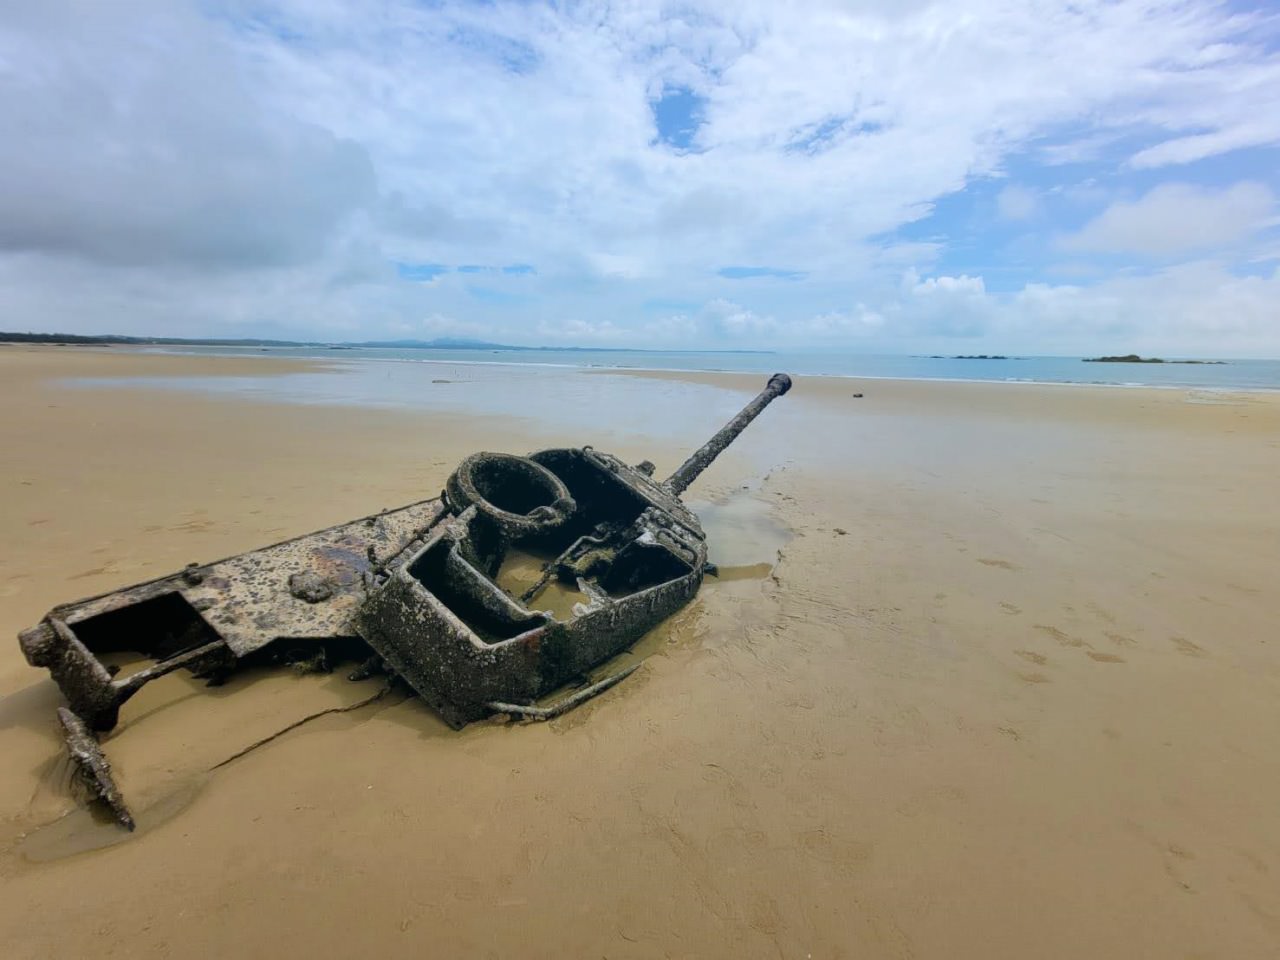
688	471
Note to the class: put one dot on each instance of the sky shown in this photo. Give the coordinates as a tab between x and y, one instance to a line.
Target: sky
883	176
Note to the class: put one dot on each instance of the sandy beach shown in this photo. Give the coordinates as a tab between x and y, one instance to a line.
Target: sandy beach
996	674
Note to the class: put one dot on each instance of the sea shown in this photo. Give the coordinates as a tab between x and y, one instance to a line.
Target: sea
1229	374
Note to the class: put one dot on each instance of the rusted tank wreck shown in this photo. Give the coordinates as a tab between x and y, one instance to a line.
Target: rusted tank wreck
429	593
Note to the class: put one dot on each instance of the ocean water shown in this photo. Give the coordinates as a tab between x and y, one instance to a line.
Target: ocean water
1230	375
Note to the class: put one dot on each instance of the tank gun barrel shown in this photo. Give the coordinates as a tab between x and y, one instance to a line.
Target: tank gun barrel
701	458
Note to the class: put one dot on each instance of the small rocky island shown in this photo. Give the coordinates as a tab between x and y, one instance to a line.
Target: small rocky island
1134	358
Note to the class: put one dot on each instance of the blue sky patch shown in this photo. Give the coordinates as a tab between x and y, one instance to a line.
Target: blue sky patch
821	136
514	56
420	272
496	297
678	115
747	273
670	305
429	271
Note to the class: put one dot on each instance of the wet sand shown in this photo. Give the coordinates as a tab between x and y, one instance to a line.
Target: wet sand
1010	690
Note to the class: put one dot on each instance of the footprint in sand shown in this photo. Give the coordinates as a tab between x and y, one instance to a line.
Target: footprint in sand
827	847
1101	613
1034	677
1002	564
1065	639
1185	646
1176	862
1037	658
1010	608
193	526
1120	640
1105	657
95	572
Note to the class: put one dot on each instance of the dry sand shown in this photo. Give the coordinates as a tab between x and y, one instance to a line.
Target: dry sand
1011	691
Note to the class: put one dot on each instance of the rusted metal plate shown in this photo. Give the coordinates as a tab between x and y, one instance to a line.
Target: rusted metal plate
246	598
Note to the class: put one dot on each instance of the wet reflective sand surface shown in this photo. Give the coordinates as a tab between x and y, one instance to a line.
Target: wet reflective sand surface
987	672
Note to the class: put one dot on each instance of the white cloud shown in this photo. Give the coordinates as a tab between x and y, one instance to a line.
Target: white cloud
139	147
735	322
438	325
221	168
1257	132
1175	219
944	285
1206	311
617	266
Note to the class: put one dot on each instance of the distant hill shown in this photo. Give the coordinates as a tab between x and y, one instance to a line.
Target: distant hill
110	338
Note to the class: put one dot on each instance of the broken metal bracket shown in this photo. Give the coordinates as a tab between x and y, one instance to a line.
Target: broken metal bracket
93	766
564	705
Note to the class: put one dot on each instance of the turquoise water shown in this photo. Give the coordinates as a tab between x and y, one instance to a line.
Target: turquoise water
1233	375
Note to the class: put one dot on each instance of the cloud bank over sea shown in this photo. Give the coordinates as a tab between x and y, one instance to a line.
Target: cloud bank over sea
1058	177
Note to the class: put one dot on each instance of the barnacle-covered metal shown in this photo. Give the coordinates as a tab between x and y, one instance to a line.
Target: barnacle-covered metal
522	576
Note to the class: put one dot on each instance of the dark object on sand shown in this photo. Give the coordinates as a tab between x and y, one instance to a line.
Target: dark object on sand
92	766
417	592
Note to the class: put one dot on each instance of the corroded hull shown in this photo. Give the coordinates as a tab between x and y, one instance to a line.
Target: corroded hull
424	593
444	622
207	618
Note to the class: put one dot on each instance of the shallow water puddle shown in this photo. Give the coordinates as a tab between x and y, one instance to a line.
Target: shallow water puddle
521	570
90	827
743	537
744	541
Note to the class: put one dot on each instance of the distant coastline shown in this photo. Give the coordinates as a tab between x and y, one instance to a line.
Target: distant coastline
442	343
1231	374
115	339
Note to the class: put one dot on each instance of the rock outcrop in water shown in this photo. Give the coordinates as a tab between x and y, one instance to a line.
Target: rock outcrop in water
1134	358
